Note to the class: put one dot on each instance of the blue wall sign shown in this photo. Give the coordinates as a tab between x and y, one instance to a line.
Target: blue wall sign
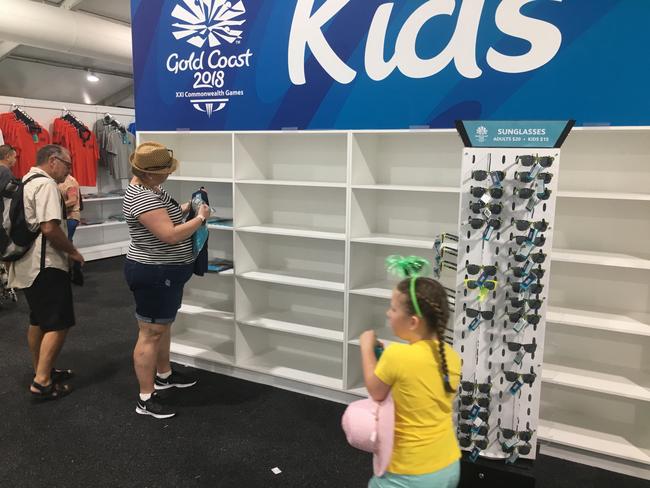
380	64
521	133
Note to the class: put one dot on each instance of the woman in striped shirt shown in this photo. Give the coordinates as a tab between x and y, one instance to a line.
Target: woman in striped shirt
158	264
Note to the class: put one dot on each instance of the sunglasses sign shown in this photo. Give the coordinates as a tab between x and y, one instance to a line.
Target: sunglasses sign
352	64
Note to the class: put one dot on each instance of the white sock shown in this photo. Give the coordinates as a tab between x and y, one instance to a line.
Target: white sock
164	376
145	396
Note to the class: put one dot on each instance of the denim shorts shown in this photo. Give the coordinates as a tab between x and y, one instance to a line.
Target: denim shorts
448	477
158	289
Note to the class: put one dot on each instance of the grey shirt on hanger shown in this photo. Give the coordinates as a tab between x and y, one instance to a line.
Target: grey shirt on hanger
119	147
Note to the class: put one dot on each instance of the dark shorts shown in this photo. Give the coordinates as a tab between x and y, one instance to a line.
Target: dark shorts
158	289
50	300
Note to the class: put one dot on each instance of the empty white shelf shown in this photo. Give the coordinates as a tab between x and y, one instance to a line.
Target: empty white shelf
382	289
593	441
283	230
430	189
204	179
322	184
270	362
361	391
602	321
204	345
188	309
102	251
298	323
288	279
218	296
220	227
584	379
228	272
396	240
384	334
599	259
386	342
109	223
597	195
101	199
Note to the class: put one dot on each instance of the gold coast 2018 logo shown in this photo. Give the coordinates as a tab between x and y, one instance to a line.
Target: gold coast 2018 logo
214	27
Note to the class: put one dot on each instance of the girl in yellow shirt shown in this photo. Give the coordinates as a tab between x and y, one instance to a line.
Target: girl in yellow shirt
423	377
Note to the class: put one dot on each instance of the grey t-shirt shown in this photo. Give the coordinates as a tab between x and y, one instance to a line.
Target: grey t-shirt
119	147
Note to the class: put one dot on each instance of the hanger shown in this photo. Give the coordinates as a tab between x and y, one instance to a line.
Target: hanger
20	114
84	132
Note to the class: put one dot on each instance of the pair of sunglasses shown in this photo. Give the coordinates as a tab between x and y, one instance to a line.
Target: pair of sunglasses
522	225
529	348
532	319
485	314
479	191
487	284
528	176
477	223
523	435
468	429
467	441
525	377
489	270
477	207
471	387
466	414
522	449
534	288
537	258
537	241
543	161
529	192
483	402
533	303
480	175
520	272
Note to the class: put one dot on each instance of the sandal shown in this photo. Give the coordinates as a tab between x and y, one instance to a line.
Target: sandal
61	375
53	391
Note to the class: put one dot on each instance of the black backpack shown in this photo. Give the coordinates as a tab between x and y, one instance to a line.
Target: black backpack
16	238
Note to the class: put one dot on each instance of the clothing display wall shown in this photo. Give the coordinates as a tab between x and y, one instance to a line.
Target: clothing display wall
102	232
116	144
25	135
72	134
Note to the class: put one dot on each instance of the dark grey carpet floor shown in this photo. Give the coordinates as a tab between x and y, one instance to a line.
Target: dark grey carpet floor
229	433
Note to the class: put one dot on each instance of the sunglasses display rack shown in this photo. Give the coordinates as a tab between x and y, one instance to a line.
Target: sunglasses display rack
507	207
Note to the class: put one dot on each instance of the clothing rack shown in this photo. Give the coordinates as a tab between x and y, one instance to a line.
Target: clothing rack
68	116
21	115
111	121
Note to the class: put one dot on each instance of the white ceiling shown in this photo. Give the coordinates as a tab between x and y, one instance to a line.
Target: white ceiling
29	72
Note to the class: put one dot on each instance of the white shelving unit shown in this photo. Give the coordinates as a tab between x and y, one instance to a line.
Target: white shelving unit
596	377
315	215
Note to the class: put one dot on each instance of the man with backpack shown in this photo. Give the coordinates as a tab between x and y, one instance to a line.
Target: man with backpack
7	161
42	271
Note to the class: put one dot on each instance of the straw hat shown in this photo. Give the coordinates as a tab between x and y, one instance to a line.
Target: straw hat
370	426
152	157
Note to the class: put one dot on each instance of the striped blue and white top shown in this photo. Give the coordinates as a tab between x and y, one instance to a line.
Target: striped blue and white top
145	247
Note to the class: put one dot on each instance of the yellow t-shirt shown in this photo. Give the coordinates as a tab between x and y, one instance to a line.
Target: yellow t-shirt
425	440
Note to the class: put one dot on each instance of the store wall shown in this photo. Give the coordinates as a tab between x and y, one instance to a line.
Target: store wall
363	64
45	111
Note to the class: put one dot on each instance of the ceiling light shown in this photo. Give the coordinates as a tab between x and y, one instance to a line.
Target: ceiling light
92	77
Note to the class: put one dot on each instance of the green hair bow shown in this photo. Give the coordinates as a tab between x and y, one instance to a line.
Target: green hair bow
409	267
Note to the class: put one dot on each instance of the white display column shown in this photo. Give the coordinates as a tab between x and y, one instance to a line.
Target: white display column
507	213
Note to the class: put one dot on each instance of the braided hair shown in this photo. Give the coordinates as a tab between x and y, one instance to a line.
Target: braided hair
432	300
